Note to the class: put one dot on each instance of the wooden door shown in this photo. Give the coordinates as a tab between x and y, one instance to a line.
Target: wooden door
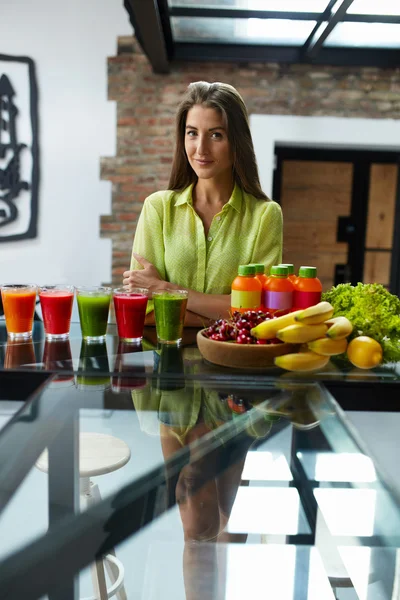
313	195
380	223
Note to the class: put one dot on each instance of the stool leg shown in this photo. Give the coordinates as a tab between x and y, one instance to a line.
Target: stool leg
99	580
112	570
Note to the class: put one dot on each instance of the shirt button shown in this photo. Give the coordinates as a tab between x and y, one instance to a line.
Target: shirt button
218	218
209	238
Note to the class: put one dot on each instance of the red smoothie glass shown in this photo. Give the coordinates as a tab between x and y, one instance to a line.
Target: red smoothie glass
56	302
130	312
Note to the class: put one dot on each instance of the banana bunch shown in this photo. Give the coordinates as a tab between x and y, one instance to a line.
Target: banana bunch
314	327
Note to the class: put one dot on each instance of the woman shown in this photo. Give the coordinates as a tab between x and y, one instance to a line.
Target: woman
214	215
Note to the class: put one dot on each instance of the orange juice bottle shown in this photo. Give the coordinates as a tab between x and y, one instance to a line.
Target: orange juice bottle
291	274
307	288
246	290
260	272
278	291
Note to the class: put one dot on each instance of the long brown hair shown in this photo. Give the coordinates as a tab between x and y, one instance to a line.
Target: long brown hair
227	101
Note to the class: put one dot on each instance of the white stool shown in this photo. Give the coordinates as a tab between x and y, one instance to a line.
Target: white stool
98	454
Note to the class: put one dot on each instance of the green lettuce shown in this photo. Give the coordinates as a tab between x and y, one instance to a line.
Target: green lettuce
373	311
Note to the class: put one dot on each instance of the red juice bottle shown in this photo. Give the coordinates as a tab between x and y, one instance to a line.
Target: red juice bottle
307	288
246	290
278	291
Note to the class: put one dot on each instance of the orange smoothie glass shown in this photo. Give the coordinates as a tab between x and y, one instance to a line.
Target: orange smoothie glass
19	307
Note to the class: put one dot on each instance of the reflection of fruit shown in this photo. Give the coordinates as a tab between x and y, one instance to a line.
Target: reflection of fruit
328	347
339	328
316	314
301	361
268	329
364	352
299	333
361	375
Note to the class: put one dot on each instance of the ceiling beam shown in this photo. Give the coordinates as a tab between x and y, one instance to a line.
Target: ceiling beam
242	13
146	20
245	53
317	38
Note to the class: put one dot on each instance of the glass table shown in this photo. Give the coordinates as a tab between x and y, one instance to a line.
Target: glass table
147	472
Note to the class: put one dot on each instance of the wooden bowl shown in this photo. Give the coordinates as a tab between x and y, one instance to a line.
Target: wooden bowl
241	356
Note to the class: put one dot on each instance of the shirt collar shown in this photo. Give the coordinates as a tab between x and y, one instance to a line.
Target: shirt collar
235	200
184	197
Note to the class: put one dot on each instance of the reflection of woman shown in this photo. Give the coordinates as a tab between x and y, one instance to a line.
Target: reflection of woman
214	216
206	487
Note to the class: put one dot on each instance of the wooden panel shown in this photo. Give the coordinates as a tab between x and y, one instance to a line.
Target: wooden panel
325	174
377	267
318	236
309	203
381	206
314	195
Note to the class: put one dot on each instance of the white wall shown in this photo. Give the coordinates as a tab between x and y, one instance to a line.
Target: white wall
329	132
69	43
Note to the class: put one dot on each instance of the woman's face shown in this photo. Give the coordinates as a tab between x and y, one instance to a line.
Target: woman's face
206	143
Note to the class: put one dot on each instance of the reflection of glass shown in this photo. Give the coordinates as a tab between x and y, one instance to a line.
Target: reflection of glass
56	302
169	314
93	306
130	313
57	356
170	368
19	307
19	353
93	369
129	370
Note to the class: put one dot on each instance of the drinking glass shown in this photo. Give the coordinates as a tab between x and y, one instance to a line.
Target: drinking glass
19	307
130	313
56	302
93	306
169	314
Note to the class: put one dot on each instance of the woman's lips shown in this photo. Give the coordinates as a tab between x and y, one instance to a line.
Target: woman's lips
203	163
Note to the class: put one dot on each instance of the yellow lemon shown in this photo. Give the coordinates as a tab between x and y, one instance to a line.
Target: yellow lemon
364	352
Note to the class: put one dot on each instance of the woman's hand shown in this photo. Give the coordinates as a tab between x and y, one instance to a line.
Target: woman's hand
148	277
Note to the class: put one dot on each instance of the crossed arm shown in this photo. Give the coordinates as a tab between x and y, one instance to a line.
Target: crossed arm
201	307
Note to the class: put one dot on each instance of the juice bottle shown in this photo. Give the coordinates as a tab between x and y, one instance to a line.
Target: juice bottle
246	290
260	272
278	291
291	274
307	288
262	278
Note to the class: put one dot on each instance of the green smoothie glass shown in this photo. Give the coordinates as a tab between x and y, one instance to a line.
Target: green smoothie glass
169	314
93	306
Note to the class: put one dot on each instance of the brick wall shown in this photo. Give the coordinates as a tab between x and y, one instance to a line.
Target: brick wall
146	105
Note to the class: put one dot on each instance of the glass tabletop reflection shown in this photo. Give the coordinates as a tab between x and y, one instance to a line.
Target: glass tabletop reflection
151	454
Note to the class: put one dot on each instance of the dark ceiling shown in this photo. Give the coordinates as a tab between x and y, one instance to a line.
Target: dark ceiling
335	32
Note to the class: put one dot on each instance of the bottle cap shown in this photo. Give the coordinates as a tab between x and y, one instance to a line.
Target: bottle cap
309	272
290	267
246	270
279	271
258	266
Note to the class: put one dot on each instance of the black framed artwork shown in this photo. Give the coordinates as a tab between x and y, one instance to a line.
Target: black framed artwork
19	149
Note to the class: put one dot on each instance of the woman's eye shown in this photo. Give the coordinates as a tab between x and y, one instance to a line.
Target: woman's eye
191	133
217	135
